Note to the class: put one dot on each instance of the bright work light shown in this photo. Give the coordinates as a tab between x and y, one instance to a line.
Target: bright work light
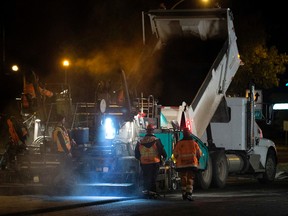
110	130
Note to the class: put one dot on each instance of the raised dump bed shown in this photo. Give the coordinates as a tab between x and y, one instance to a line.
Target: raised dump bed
197	57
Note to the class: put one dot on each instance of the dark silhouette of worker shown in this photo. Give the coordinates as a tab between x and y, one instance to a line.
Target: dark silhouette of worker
33	93
64	144
150	152
13	133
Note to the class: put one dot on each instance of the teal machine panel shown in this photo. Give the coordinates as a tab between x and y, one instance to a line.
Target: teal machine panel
167	139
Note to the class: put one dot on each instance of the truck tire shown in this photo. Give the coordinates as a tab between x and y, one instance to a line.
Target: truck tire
220	169
204	178
270	168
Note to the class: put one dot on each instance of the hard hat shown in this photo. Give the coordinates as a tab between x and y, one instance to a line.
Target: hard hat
186	131
150	127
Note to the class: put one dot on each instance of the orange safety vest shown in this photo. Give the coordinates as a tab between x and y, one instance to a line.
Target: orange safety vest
149	155
29	89
25	101
13	132
65	136
185	153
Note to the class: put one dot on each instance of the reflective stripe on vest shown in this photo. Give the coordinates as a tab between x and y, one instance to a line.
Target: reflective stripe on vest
65	136
186	160
149	155
45	92
29	89
185	153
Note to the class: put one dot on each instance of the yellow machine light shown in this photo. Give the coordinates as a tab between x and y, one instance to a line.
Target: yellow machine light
15	68
66	63
173	158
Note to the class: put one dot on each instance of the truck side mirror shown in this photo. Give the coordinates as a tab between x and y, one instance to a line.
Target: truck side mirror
270	115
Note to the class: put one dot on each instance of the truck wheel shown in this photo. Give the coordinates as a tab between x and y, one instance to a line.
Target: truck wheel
270	168
204	178
220	169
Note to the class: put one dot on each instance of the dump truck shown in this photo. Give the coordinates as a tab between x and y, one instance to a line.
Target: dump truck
199	48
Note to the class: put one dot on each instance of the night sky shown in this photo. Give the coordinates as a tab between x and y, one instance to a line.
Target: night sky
98	37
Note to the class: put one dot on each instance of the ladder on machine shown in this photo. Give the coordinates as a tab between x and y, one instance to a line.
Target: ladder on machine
148	111
146	106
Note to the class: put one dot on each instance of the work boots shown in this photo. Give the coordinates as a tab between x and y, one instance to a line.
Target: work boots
189	196
184	196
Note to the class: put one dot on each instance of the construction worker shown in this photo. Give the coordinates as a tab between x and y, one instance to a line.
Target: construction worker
13	135
29	97
64	143
150	152
18	131
187	154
